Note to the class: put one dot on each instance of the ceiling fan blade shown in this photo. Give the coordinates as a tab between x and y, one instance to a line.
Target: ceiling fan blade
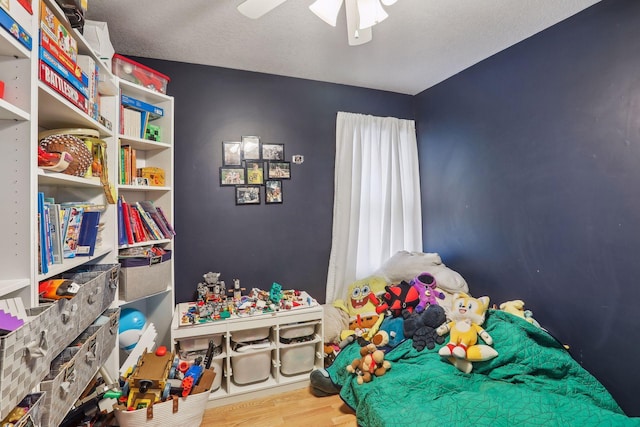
254	9
370	13
356	36
327	10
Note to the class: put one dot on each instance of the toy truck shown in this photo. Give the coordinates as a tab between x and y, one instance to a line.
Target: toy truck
148	383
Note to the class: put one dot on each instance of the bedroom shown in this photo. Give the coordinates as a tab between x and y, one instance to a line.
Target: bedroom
527	166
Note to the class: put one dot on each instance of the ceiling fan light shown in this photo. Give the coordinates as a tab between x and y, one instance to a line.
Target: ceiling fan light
327	10
371	13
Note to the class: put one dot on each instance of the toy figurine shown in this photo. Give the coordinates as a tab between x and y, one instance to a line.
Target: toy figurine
275	293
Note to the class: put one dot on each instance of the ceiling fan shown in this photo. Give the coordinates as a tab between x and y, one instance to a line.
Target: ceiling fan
362	15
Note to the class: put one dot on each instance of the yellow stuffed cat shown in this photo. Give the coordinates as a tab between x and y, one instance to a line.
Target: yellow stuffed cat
467	314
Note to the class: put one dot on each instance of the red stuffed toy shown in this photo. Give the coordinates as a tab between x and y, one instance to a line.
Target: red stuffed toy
397	298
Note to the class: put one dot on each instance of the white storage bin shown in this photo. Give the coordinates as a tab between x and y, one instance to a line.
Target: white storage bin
199	343
297	358
297	330
251	367
216	364
248	335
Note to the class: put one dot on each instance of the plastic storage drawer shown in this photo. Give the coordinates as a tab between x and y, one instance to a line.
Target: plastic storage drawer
252	366
297	358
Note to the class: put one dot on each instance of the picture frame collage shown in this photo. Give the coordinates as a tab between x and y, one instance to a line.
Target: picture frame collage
249	166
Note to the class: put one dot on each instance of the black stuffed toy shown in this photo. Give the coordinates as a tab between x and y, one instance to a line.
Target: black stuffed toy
422	327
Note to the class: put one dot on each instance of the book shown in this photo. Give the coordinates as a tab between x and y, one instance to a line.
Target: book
64	88
150	208
128	229
139	105
149	223
44	266
56	232
16	30
166	222
73	219
89	66
88	233
122	235
48	243
139	229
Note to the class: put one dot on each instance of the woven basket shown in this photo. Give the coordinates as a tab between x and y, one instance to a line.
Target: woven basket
57	141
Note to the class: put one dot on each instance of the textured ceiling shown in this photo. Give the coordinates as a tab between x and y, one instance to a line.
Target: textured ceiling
420	44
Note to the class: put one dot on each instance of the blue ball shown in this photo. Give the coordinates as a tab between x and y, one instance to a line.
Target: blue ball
131	318
132	323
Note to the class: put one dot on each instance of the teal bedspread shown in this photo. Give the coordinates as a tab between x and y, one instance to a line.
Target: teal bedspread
534	381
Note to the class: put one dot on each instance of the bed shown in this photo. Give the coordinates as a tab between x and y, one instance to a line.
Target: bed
533	381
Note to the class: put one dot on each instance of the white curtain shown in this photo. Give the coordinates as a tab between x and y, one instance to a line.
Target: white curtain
376	207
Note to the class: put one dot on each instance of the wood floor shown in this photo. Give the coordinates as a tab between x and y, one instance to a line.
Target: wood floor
296	408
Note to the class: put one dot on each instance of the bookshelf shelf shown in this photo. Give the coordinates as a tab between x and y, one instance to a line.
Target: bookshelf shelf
55	178
70	263
7	287
145	243
56	112
143	144
11	47
9	111
143	188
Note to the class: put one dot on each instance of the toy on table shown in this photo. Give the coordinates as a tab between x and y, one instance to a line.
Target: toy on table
130	328
275	293
467	315
370	364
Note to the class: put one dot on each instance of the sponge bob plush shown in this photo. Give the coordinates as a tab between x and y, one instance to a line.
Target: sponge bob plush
361	305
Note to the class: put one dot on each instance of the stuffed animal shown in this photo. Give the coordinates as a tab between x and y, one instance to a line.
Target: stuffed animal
397	298
422	327
467	315
390	333
425	284
516	307
370	364
361	307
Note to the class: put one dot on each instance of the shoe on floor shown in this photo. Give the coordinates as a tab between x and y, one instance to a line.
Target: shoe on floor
321	384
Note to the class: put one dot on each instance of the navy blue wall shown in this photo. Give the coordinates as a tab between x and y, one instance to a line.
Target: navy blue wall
287	243
530	169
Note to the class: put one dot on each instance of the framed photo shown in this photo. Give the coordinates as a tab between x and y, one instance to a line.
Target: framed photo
232	176
273	191
250	148
232	153
273	152
255	172
278	170
247	195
